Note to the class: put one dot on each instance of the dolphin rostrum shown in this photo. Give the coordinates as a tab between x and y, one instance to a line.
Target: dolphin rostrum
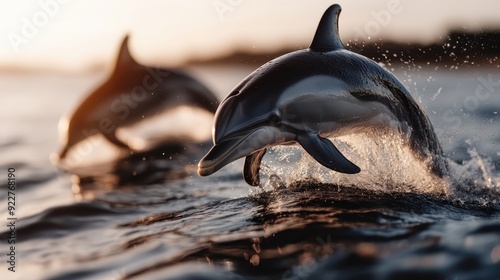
132	92
310	95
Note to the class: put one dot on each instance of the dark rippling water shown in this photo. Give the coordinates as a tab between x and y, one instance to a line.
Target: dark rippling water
150	216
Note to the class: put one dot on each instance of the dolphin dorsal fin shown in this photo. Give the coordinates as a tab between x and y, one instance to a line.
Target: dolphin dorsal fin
124	58
327	34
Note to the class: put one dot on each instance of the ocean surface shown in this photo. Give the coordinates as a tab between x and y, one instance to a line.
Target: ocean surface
149	216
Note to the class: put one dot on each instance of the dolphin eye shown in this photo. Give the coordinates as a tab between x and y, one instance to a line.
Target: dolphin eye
275	120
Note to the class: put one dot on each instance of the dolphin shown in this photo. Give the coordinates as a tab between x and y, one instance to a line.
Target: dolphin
132	92
307	96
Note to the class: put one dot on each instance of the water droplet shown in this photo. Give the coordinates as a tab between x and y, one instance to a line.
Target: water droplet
256	247
495	254
255	260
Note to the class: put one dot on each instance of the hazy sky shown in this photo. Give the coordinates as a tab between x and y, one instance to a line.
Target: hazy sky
81	34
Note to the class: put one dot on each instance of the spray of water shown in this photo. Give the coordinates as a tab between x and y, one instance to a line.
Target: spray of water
387	165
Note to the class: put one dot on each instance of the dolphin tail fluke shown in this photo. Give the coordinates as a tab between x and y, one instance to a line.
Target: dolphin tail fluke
252	167
323	151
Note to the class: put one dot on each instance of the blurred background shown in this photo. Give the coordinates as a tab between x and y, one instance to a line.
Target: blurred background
75	36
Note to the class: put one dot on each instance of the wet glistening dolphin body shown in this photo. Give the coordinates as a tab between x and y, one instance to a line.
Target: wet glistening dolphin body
132	93
310	95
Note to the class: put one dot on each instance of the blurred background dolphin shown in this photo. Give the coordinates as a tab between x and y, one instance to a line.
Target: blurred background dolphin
132	93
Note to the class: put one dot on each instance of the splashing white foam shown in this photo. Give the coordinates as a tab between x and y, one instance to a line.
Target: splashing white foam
475	180
387	164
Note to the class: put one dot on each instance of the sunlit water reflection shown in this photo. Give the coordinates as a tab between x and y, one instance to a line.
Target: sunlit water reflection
166	222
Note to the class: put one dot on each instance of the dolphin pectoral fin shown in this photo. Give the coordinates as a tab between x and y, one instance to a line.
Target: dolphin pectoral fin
113	139
252	167
323	151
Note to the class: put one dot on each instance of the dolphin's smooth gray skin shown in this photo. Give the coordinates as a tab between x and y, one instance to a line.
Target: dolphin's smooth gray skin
310	95
132	93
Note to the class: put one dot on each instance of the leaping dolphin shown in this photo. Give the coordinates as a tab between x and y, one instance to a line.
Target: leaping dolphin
133	92
310	95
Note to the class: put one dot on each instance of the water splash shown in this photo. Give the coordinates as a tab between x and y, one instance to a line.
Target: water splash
387	165
475	180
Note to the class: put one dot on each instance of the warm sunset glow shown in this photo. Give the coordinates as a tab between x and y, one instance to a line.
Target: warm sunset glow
81	35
